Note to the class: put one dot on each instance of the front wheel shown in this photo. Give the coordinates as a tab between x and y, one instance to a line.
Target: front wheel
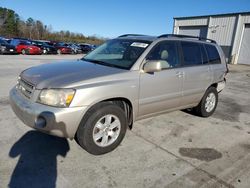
44	51
208	103
23	51
102	129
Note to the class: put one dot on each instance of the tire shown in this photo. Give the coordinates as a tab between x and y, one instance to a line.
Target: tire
23	51
59	52
93	125
207	107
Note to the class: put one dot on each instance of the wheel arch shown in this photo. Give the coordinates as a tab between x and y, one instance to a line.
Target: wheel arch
213	85
123	102
126	105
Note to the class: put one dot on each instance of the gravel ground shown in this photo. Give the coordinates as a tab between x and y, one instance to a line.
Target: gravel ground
176	149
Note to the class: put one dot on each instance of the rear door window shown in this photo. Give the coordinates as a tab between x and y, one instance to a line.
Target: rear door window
204	55
192	54
213	55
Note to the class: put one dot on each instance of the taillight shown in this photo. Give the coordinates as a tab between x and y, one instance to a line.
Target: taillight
227	69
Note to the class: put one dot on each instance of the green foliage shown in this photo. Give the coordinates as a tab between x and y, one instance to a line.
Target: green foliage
8	22
12	26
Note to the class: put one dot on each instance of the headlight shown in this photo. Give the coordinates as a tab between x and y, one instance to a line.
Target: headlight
56	97
18	80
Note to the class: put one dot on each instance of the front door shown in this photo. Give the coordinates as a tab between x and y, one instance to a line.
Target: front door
161	91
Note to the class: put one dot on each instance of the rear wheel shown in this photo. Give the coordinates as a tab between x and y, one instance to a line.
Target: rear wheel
102	129
208	103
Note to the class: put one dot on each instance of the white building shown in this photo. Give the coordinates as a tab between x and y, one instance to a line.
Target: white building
230	31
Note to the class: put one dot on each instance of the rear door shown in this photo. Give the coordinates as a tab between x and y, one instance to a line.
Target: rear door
197	74
161	91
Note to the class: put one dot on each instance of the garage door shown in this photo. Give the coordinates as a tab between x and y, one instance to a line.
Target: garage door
200	31
244	56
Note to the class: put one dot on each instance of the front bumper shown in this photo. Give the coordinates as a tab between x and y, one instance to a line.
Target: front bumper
221	85
62	122
9	51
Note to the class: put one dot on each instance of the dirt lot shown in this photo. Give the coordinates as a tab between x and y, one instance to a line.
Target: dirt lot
172	150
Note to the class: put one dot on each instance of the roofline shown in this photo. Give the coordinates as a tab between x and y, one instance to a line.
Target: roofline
205	16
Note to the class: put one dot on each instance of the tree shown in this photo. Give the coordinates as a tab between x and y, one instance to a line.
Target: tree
11	25
8	22
30	24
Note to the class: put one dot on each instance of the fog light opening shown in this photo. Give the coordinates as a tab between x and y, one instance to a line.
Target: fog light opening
40	122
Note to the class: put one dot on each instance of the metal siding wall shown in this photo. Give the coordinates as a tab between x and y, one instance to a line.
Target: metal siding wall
228	33
244	55
200	31
221	29
245	19
191	22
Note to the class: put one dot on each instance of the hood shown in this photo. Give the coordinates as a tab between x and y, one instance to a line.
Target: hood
9	46
62	74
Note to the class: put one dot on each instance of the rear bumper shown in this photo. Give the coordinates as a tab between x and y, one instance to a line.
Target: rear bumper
62	122
221	85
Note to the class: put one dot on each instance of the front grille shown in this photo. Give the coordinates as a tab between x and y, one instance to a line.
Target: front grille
25	88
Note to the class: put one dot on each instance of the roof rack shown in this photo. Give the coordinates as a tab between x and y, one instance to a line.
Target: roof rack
127	35
186	36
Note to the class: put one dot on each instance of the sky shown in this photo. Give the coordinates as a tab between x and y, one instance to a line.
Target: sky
111	18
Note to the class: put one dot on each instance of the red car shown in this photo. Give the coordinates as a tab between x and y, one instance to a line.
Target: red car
62	48
25	47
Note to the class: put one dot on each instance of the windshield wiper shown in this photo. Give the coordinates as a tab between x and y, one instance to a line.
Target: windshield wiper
102	63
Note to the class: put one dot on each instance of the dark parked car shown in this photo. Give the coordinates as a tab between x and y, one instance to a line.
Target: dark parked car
46	48
6	48
62	48
86	48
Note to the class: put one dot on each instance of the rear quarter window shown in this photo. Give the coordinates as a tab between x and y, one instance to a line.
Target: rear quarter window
213	54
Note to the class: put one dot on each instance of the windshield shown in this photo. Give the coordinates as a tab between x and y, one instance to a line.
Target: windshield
24	42
3	41
118	53
38	43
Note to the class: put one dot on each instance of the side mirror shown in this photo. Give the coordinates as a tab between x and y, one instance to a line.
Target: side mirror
152	66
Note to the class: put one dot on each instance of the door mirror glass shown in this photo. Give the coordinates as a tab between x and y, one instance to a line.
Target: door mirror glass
152	66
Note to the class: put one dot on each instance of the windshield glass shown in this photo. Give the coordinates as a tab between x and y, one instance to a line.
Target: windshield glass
120	53
3	41
24	42
38	43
